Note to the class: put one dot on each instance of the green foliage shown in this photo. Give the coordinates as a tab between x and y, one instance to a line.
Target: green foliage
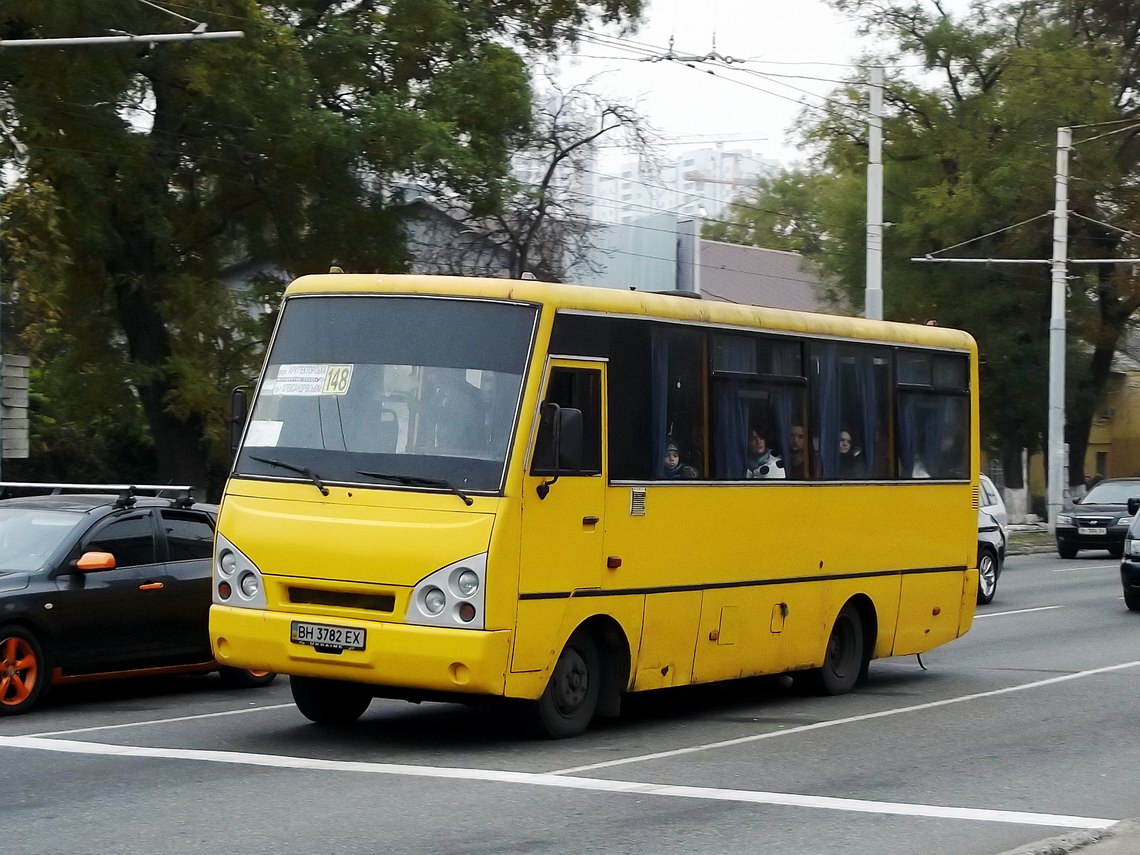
151	169
969	150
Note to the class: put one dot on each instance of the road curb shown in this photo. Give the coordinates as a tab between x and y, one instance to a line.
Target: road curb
1120	839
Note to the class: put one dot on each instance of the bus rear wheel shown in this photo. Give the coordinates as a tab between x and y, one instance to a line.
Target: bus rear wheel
329	701
568	703
843	658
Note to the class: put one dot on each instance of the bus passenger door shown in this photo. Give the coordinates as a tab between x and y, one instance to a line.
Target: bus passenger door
561	533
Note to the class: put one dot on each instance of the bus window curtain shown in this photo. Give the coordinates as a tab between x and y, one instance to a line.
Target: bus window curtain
784	401
825	412
868	392
730	431
659	398
908	437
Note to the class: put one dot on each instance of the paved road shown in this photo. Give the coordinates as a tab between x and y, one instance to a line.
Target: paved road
1024	729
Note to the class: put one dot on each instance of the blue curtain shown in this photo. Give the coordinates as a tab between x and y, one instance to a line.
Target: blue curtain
909	430
826	408
730	431
868	392
659	397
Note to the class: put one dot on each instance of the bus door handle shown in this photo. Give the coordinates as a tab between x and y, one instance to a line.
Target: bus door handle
591	521
151	586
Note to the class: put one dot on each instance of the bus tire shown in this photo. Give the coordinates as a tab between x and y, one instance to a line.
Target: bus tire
570	699
329	701
843	657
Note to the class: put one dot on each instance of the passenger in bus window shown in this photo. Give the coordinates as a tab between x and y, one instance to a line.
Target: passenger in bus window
760	461
851	462
797	461
673	468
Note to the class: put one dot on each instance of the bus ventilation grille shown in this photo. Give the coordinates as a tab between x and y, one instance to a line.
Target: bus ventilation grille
637	502
976	498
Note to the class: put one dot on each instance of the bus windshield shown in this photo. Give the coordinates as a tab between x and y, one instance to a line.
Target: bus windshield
413	387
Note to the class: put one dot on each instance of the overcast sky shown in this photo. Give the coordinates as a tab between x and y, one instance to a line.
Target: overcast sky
802	38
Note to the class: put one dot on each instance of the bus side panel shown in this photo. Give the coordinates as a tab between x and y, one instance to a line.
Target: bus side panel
545	626
929	611
536	633
668	630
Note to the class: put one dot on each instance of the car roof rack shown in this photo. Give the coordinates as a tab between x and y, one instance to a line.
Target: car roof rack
127	492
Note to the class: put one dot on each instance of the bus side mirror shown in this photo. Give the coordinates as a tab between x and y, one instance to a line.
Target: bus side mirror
239	413
560	446
1133	507
569	435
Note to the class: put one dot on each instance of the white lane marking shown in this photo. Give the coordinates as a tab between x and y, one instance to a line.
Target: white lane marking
561	782
1083	567
160	720
819	725
1015	612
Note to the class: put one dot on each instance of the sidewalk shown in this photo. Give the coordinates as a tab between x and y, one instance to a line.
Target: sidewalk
1029	540
1120	839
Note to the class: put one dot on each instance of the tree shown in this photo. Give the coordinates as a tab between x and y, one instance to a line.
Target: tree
150	168
969	150
542	225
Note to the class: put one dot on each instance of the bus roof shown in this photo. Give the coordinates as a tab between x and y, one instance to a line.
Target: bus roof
646	304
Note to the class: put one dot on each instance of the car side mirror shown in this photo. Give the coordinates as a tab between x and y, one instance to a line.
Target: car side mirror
1133	507
239	414
90	561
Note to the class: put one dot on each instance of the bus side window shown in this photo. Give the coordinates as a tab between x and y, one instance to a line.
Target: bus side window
579	388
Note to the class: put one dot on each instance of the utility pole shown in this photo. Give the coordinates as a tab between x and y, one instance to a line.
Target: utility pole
1057	327
873	299
1059	264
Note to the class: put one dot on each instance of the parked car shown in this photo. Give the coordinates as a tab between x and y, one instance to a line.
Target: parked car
1098	520
94	586
991	555
1130	565
992	502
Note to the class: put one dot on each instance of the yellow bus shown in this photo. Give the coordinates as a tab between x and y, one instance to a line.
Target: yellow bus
452	487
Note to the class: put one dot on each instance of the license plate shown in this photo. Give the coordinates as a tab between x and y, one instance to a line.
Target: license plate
324	635
1092	531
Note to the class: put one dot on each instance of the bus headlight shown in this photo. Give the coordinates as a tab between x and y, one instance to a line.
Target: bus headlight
227	563
467	583
249	585
452	596
234	574
434	600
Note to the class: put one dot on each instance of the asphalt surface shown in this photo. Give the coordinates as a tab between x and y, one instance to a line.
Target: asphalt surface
1021	731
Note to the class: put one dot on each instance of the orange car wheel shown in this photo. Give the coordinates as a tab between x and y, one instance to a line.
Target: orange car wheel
23	672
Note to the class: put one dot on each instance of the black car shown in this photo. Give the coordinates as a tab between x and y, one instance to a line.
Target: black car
1099	520
103	585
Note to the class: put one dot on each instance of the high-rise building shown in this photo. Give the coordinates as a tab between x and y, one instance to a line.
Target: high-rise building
698	183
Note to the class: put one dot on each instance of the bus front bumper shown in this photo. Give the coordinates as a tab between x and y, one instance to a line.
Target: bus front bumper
402	656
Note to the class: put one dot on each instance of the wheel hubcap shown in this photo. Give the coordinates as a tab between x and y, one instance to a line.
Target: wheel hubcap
988	575
18	671
571	682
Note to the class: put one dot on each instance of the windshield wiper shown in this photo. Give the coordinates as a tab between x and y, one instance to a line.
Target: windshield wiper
412	481
300	470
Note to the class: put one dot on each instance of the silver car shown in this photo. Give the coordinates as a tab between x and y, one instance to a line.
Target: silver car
992	520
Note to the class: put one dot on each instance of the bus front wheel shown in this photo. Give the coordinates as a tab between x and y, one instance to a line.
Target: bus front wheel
568	703
843	658
329	701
